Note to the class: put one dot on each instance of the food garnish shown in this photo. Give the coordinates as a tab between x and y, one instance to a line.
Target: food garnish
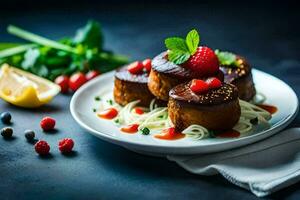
199	86
76	81
66	145
169	134
25	89
271	109
47	123
110	102
135	67
5	117
29	135
138	110
147	64
92	74
145	131
202	60
63	82
213	83
49	58
108	113
7	132
227	134
226	58
97	98
131	128
42	148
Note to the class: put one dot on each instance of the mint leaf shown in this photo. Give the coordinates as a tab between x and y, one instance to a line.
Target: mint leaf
178	57
226	58
181	49
176	43
192	41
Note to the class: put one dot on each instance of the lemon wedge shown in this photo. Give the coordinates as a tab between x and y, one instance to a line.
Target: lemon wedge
24	89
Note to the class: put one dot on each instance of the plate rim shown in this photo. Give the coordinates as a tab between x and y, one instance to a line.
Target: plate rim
267	133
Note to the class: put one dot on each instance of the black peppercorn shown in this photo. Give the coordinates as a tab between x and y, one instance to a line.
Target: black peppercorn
5	117
29	135
6	132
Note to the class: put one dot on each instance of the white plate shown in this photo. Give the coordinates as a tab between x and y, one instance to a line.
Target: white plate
277	92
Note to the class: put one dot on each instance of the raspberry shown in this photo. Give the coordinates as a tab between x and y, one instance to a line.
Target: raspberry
204	62
199	86
47	123
42	147
66	145
213	83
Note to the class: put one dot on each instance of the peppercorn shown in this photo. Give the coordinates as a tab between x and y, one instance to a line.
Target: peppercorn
5	117
6	132
29	135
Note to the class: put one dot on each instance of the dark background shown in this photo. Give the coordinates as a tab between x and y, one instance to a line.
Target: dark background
265	33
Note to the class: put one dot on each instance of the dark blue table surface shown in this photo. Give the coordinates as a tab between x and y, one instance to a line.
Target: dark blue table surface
267	35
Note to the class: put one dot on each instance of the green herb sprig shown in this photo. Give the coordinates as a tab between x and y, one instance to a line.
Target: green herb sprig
226	58
49	58
181	49
145	131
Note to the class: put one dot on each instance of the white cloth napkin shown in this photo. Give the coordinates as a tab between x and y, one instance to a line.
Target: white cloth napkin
263	167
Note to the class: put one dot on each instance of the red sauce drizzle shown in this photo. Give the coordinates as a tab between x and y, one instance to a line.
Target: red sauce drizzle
139	111
132	128
228	134
169	134
108	113
269	108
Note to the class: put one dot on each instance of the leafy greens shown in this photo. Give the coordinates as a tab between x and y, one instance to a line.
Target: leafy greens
49	58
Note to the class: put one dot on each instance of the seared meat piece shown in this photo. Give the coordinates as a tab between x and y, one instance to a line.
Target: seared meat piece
165	75
130	87
241	77
217	109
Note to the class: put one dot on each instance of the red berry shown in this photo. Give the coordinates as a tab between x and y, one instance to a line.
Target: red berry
66	145
135	67
213	83
204	62
92	74
47	123
77	80
199	86
42	147
63	82
147	64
